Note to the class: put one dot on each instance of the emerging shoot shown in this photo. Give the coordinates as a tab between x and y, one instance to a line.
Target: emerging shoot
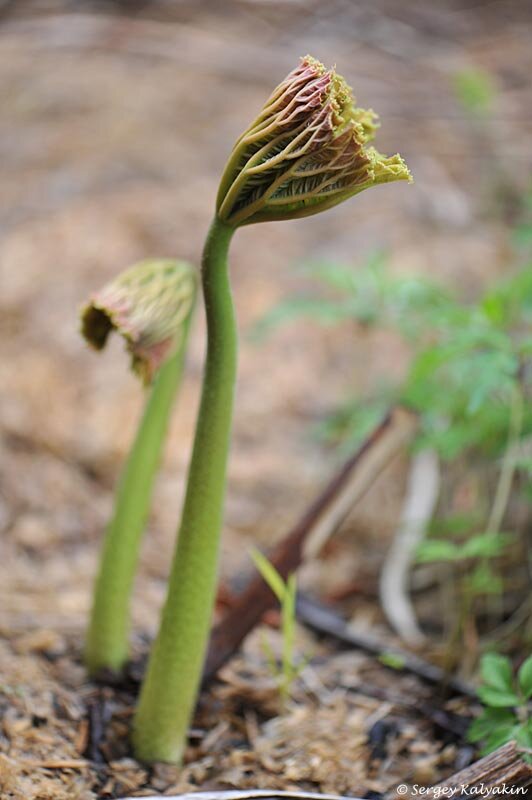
150	306
286	594
306	151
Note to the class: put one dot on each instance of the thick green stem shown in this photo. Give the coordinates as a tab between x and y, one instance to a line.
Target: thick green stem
172	680
107	645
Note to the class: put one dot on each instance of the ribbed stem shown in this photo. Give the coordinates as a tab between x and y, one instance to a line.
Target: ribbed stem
107	645
171	684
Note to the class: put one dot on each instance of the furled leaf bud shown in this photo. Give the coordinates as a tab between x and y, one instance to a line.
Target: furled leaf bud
148	305
306	152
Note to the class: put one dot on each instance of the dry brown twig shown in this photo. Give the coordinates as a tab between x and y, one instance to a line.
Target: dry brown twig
504	767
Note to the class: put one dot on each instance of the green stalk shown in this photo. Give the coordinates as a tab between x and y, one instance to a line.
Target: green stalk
107	645
173	675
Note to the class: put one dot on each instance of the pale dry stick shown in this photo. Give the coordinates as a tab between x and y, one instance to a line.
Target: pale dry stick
56	764
418	509
377	457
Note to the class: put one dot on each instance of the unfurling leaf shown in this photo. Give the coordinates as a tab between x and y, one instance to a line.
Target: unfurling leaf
306	151
148	305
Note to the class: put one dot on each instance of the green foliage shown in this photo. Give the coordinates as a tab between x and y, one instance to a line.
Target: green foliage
482	545
483	580
350	424
370	295
285	592
505	715
474	555
474	89
392	660
467	358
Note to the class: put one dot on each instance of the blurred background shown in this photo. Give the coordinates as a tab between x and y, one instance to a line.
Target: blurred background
116	121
